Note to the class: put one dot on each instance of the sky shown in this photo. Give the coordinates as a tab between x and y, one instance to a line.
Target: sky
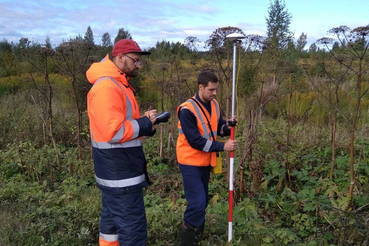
150	21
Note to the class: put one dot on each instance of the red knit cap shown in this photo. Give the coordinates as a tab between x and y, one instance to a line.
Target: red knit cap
125	46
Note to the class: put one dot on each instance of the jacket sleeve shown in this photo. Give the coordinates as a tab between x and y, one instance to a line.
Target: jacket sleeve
223	129
108	109
196	141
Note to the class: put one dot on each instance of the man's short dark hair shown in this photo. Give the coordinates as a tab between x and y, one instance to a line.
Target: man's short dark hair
205	77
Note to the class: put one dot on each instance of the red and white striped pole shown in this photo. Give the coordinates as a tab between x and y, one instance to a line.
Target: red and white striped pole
230	196
235	38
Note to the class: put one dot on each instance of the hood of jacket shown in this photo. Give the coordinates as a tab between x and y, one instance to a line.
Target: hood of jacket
106	68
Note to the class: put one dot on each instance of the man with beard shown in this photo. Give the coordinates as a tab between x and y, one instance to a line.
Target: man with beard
199	125
116	129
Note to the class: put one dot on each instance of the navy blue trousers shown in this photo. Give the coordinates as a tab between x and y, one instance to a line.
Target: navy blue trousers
195	183
123	213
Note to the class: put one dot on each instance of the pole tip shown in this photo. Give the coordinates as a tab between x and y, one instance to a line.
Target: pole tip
235	37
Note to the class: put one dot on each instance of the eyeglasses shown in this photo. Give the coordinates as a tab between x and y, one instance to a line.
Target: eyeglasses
136	61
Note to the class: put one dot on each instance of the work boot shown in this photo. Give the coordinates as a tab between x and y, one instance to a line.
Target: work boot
200	232
188	235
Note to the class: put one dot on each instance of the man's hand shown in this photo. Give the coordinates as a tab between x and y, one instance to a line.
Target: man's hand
230	145
151	114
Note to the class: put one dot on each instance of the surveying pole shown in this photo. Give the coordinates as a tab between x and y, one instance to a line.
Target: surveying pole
235	38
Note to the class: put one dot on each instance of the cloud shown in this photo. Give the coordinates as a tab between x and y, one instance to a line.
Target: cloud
252	28
149	21
61	20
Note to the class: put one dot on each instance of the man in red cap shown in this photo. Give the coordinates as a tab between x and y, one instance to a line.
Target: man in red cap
116	129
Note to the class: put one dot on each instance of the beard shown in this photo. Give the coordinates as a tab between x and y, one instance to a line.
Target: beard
132	74
209	98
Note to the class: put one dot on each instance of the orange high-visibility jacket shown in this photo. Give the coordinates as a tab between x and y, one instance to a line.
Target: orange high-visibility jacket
112	107
116	128
185	153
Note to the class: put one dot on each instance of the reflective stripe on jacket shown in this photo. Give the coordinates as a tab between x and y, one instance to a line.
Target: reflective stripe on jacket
116	127
191	156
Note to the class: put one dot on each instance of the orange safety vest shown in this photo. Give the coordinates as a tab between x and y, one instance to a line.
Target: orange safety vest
185	153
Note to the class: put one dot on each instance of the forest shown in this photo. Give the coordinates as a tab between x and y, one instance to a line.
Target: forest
301	164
